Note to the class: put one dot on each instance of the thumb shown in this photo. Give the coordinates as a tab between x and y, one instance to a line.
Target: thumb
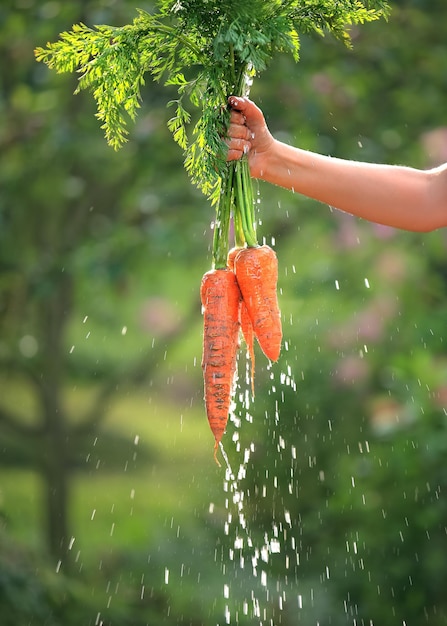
253	114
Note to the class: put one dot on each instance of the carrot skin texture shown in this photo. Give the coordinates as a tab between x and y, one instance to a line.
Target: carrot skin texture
220	296
256	270
245	321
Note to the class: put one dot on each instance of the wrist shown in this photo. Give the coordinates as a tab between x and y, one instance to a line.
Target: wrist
272	163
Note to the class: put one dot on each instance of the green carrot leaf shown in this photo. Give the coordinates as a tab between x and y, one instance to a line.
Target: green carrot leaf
208	50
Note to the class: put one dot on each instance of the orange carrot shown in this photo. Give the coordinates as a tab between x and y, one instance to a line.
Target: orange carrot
220	296
256	270
245	321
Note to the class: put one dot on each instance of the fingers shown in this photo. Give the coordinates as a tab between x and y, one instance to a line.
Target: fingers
238	130
245	119
234	155
238	137
236	117
236	148
237	141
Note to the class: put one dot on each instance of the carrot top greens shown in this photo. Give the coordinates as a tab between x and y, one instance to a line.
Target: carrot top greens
208	49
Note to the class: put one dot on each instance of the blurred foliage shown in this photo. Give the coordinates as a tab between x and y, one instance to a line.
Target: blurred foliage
345	472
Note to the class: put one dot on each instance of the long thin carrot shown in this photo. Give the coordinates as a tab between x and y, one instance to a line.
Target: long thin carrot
220	296
256	270
245	321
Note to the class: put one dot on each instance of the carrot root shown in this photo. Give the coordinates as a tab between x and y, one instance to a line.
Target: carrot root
216	447
220	296
256	270
245	321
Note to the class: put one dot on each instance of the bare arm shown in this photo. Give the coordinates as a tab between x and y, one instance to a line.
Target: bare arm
398	196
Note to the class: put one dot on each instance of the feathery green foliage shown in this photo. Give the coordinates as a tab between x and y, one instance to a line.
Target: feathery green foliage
207	48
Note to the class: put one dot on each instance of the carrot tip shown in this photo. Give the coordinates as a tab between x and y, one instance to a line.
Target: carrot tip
216	446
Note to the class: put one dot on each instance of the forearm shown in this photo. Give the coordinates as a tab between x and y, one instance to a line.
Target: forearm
397	196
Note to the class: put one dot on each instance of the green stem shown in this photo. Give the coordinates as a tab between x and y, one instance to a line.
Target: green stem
236	191
250	203
240	82
243	190
174	32
232	65
244	200
239	237
222	225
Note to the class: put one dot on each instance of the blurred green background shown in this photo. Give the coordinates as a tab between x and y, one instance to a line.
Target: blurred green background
112	510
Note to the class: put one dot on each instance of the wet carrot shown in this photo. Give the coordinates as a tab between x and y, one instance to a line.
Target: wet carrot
245	321
220	296
256	270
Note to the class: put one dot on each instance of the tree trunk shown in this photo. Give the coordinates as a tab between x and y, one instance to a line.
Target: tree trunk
56	478
54	314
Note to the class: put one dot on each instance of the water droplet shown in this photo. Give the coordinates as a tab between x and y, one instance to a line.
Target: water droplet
275	546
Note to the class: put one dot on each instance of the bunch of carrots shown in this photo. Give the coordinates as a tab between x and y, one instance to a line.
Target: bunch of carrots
208	49
239	296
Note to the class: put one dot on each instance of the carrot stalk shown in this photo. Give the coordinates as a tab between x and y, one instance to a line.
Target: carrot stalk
256	270
239	237
244	201
222	223
220	296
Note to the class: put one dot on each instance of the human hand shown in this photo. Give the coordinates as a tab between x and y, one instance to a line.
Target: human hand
248	134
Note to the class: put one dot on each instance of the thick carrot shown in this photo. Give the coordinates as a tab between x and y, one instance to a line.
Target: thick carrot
220	297
256	270
245	321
